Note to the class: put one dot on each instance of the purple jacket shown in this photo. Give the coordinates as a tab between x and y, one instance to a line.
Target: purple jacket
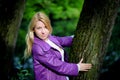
47	61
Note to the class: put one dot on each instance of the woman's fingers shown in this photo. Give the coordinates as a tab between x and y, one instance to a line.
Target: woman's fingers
81	60
85	66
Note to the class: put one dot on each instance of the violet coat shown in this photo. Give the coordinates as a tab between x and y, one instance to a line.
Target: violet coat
47	61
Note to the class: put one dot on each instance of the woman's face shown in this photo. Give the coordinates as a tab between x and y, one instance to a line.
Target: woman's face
41	31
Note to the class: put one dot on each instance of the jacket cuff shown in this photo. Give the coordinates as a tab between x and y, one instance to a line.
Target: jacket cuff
78	67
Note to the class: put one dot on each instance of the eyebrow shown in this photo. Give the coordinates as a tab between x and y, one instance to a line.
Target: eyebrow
41	26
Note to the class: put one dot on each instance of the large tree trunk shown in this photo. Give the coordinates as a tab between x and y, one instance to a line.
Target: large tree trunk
11	12
92	35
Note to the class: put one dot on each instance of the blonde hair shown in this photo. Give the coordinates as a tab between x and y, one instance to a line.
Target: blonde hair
39	16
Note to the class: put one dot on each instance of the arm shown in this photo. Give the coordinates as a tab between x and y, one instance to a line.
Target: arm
65	41
52	62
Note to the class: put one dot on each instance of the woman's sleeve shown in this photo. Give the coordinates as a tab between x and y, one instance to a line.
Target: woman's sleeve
53	63
65	41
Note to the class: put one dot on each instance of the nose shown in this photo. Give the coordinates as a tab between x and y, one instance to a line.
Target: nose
43	30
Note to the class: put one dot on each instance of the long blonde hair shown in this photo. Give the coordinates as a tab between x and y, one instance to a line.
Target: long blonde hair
39	16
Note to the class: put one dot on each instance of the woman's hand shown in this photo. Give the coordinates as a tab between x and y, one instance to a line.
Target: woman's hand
84	66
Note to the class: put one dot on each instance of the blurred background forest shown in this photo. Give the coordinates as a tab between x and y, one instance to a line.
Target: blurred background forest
64	16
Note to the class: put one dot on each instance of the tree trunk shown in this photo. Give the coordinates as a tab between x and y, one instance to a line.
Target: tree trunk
11	12
92	35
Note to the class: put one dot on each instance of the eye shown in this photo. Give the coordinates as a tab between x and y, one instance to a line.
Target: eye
39	27
46	27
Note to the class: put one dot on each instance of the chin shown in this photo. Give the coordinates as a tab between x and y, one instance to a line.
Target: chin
44	38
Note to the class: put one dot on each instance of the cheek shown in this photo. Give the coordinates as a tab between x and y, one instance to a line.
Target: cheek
37	32
47	31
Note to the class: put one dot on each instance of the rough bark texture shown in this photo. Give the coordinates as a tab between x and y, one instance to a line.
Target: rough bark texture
92	35
11	12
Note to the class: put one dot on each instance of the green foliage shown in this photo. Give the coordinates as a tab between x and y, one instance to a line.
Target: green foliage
20	45
59	9
23	69
64	27
23	74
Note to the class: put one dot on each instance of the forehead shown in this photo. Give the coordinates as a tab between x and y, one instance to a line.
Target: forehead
40	23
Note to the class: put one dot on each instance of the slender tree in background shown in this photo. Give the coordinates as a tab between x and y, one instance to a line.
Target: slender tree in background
11	12
92	35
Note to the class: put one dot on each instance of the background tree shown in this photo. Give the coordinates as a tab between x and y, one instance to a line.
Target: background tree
11	12
92	35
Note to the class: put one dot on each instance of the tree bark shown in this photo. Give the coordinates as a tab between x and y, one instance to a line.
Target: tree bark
11	12
92	35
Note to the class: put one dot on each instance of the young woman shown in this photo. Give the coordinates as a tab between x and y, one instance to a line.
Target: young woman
48	54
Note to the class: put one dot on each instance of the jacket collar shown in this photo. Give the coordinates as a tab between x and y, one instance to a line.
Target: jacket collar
45	46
